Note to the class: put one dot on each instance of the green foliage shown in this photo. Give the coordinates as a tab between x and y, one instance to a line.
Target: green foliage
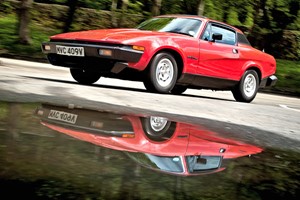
213	10
233	18
288	73
169	7
288	46
5	7
98	4
136	7
249	18
83	20
9	39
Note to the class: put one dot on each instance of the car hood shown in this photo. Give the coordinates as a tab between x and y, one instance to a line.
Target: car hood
111	35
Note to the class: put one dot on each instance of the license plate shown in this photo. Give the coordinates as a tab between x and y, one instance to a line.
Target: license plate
69	51
62	116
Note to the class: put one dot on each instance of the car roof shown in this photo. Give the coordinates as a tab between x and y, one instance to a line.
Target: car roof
184	16
203	18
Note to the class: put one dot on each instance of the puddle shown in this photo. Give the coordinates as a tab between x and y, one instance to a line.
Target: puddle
70	152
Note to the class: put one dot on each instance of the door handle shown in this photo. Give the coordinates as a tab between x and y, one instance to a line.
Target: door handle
235	51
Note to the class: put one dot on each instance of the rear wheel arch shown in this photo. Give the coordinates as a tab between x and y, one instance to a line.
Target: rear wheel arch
258	71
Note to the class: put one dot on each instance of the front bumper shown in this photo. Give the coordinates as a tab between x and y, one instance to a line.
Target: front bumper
87	121
120	53
269	81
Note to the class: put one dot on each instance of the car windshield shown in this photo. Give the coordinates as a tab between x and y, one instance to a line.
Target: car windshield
203	163
184	26
164	163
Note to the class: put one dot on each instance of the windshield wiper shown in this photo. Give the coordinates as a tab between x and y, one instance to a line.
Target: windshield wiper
178	32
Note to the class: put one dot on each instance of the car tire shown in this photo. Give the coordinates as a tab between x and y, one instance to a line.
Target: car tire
162	73
158	128
149	87
85	77
178	89
247	88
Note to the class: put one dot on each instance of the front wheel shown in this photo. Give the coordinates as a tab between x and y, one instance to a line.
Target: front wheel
247	88
85	77
158	128
162	74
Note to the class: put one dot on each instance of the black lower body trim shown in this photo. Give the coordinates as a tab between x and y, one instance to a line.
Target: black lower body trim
204	82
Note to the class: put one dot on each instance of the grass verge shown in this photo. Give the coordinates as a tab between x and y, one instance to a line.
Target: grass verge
9	45
288	74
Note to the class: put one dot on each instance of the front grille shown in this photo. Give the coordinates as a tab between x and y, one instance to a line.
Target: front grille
78	62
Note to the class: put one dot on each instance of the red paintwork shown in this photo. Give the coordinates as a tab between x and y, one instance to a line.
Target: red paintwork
212	59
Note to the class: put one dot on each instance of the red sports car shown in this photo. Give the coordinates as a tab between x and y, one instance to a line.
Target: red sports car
168	54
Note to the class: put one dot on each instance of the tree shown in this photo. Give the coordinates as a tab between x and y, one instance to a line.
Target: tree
115	22
14	113
125	4
201	7
24	19
124	11
72	8
114	5
156	5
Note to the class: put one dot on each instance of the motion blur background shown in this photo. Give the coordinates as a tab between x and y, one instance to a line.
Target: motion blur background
270	25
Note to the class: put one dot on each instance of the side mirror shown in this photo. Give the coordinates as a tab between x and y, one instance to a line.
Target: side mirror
216	36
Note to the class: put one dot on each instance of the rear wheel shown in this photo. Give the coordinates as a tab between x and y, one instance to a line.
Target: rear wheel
178	89
85	77
162	74
247	88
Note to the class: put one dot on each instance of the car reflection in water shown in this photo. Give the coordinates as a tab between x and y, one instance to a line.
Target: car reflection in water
154	142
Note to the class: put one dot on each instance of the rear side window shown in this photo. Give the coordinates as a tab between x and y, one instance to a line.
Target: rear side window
242	39
228	35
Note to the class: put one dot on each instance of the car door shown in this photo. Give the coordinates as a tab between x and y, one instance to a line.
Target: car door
205	142
219	57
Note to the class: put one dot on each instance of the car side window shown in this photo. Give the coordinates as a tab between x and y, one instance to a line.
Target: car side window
228	35
206	35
